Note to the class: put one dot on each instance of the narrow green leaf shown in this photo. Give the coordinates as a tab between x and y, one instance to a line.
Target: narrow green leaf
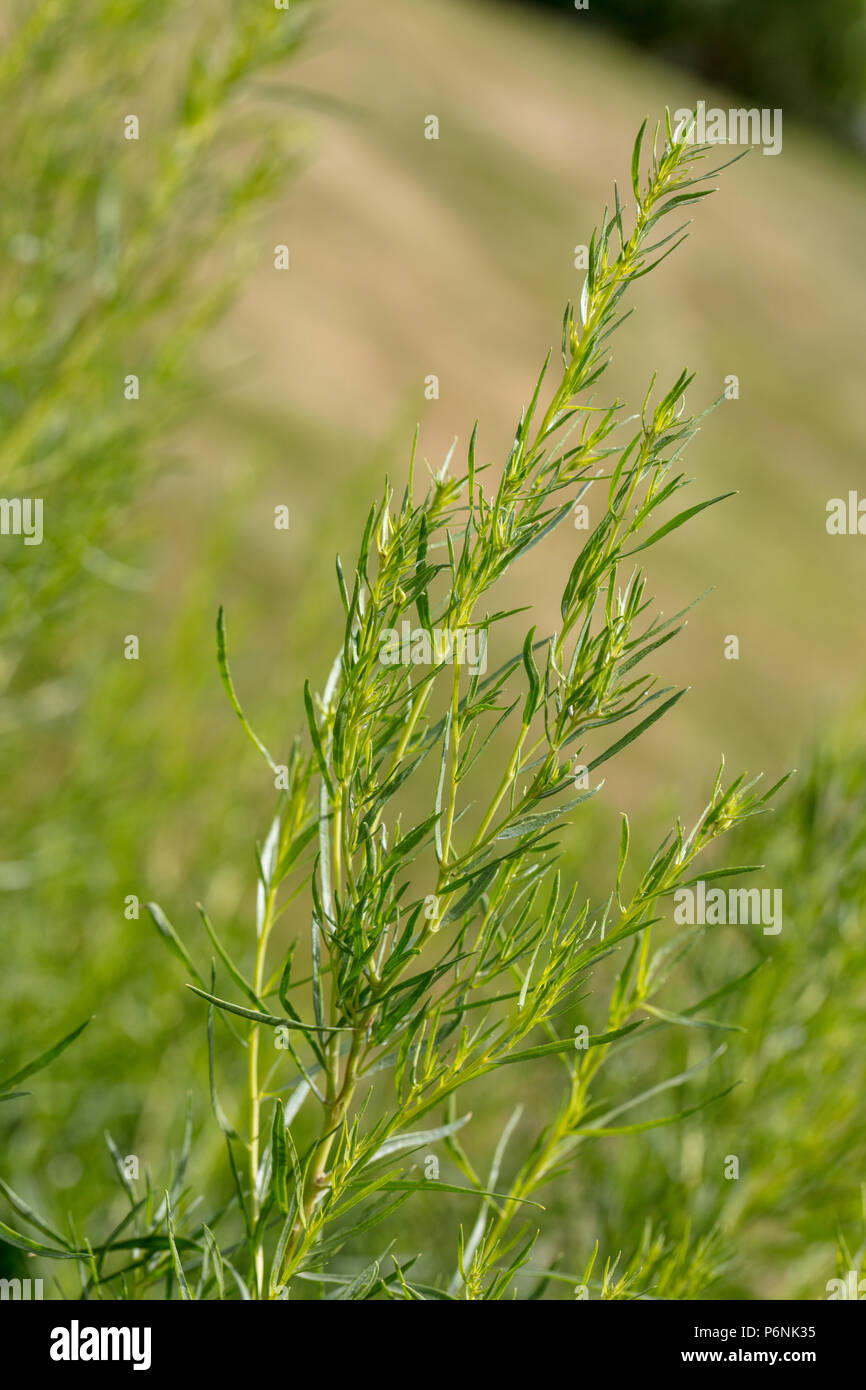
219	1114
362	1284
34	1247
635	162
316	739
635	732
43	1059
623	855
565	1045
710	1024
228	686
171	939
182	1285
216	1259
227	961
26	1212
422	1185
280	1158
677	521
256	1016
656	1124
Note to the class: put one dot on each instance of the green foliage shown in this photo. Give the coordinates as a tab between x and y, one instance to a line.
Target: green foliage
114	265
106	242
804	1021
793	1120
444	944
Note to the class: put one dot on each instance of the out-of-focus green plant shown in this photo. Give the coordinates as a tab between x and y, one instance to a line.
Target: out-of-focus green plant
104	273
798	1115
446	947
794	1121
117	254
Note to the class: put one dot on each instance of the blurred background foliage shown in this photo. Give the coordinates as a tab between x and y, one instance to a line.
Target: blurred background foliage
259	388
808	58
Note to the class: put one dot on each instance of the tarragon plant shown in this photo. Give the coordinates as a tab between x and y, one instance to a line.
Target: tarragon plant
441	944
